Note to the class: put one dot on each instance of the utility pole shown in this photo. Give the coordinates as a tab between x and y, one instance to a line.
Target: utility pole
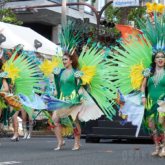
63	20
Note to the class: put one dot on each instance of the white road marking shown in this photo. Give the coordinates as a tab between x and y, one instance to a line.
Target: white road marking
11	162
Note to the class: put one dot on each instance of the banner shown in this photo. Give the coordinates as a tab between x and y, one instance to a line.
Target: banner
125	3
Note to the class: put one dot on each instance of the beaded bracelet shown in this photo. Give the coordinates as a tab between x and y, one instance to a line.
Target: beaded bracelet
142	94
82	96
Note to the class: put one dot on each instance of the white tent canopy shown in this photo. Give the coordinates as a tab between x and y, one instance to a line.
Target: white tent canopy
14	35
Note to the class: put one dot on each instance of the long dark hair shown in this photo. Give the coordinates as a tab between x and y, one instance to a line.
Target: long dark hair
153	64
74	59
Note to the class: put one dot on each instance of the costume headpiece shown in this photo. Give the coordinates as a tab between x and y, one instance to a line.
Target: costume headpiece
155	32
160	47
70	35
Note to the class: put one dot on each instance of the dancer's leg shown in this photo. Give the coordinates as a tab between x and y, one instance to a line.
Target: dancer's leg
0	124
57	129
15	124
77	138
162	120
24	125
151	124
30	128
24	115
0	117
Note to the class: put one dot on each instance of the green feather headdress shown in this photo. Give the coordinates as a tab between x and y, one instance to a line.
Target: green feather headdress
158	48
70	36
155	33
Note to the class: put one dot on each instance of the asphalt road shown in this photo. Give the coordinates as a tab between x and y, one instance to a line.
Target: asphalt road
40	151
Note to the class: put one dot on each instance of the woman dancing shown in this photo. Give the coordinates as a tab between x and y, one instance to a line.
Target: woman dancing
153	84
68	84
141	69
90	69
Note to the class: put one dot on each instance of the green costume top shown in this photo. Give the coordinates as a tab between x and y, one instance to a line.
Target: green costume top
156	86
67	89
66	84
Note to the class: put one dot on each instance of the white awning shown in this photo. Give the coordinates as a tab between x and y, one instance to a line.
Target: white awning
13	35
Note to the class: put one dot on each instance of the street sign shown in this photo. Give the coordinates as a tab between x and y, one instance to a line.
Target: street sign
132	23
125	3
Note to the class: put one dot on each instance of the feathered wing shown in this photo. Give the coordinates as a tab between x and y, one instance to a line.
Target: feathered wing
130	60
126	31
24	76
130	63
96	68
47	66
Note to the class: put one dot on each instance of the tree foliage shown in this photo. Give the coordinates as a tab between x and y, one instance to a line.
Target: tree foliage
7	15
115	15
119	15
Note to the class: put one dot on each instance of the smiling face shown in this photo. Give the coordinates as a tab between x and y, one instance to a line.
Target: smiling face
160	59
66	61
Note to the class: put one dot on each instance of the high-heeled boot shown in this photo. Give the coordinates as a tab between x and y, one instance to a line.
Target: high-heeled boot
24	130
30	130
157	144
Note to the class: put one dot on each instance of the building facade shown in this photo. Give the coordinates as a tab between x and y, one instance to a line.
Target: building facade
47	21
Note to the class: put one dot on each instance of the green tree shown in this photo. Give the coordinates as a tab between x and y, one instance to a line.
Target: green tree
7	15
124	15
119	15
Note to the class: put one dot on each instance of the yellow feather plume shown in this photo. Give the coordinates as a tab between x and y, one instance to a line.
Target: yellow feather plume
89	72
136	76
56	60
47	66
12	70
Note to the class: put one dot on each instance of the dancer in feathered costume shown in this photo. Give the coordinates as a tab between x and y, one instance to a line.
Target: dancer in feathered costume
91	69
3	88
7	54
22	71
141	69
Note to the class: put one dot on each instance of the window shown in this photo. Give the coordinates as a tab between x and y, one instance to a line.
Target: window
58	1
157	1
19	0
74	1
100	6
88	9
